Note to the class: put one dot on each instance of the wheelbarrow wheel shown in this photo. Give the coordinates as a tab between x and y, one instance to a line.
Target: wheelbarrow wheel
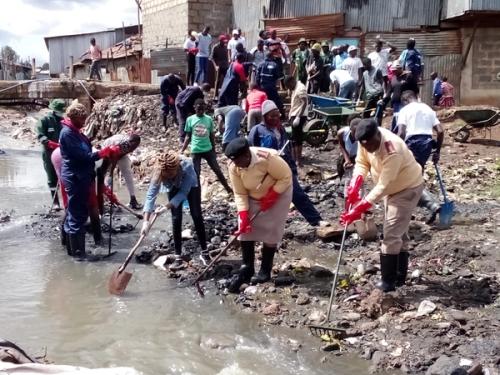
462	135
316	132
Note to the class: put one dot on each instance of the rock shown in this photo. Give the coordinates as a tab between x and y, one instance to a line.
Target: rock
334	231
330	347
302	265
377	358
320	272
367	354
444	365
251	290
317	316
302	299
426	307
460	316
272	309
283	280
218	342
397	352
368	326
294	345
352	316
216	240
351	340
415	274
187	234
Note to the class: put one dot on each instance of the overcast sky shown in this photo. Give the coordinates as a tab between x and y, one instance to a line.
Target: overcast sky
24	23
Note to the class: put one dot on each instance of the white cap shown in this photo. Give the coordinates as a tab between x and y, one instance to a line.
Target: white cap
235	31
352	48
194	34
268	106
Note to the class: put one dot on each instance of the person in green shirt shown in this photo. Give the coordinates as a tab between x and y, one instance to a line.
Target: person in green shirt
48	129
200	132
327	57
299	58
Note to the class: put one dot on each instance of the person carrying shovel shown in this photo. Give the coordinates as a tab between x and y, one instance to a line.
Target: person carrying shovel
262	184
399	182
177	176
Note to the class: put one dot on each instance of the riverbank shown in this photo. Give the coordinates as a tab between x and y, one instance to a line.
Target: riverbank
446	316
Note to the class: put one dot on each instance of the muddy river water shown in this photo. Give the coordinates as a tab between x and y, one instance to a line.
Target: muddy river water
49	301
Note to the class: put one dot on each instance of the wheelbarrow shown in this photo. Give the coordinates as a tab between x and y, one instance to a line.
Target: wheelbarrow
475	119
316	130
319	101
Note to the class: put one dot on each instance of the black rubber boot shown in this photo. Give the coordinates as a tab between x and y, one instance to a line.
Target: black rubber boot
77	243
388	269
134	204
402	268
247	269
266	266
64	236
68	245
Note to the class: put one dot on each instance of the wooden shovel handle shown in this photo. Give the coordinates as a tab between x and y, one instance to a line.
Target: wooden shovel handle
139	216
134	249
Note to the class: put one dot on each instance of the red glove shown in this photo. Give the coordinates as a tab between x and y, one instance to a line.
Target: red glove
113	152
194	51
268	200
110	195
355	213
244	225
353	190
51	145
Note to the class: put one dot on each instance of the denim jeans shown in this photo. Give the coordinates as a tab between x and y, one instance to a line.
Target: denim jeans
303	204
194	199
201	69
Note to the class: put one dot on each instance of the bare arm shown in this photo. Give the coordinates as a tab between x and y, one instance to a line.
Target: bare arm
186	143
340	138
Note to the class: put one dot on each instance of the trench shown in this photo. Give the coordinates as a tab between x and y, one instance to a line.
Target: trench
50	302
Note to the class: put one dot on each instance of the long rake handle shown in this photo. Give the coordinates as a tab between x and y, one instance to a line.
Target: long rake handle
136	246
138	216
222	252
335	278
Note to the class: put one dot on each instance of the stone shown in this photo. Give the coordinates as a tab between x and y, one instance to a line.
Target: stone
426	307
320	272
367	354
460	316
444	365
377	358
216	240
335	230
251	290
218	342
330	347
352	316
272	309
302	299
317	316
302	265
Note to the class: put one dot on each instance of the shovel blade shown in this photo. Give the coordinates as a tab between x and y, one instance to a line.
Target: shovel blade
118	282
446	214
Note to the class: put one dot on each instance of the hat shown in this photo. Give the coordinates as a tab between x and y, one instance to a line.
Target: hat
57	105
223	37
302	40
268	106
324	43
194	34
366	129
396	65
236	147
352	48
235	31
316	47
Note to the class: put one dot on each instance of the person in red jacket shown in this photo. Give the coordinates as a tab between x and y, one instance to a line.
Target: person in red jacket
253	105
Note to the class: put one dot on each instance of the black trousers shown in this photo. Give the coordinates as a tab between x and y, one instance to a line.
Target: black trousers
194	199
191	69
211	158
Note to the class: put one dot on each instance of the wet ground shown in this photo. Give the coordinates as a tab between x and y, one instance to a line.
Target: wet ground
51	303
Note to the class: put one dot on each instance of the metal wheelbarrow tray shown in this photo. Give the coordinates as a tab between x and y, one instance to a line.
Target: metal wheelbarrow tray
475	119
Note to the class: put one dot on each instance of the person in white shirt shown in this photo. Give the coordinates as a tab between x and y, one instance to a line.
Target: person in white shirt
231	45
242	39
204	42
380	58
345	87
353	65
191	49
416	124
298	115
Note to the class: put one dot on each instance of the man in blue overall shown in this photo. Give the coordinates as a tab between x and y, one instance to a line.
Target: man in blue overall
267	76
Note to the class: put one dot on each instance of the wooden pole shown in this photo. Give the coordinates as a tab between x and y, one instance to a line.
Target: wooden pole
71	68
125	43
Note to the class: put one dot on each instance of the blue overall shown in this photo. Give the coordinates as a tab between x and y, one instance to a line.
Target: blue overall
261	136
268	74
77	174
230	88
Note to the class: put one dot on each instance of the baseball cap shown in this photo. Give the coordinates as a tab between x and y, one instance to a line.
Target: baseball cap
352	48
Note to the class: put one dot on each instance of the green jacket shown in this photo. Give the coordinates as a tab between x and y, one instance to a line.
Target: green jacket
48	128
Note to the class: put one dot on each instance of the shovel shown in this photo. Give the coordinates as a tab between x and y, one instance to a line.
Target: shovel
447	208
120	279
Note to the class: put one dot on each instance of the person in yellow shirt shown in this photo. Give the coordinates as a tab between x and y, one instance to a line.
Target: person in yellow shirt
398	181
262	185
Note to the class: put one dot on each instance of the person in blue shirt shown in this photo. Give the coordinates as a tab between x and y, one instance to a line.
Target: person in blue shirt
437	90
229	119
271	134
78	175
177	176
267	76
341	56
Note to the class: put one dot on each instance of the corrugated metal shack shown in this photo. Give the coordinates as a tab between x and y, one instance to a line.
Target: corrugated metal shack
63	46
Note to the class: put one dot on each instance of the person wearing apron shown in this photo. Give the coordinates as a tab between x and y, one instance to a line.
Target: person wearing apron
262	185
